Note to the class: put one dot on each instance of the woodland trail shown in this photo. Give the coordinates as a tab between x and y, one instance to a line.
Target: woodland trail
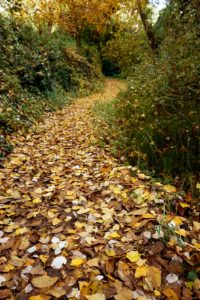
75	223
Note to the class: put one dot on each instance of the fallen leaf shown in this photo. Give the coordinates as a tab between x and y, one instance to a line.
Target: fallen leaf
57	292
93	262
37	200
110	252
171	278
153	278
182	232
2	279
170	294
21	231
56	221
58	262
8	268
39	297
44	281
97	296
77	262
141	271
43	258
124	293
133	256
169	188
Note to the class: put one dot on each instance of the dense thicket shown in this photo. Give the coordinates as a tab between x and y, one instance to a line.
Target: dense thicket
39	72
157	121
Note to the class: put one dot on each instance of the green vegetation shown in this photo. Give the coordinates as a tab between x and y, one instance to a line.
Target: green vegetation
40	71
156	122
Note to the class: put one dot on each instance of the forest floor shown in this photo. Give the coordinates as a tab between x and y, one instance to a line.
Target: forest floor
77	224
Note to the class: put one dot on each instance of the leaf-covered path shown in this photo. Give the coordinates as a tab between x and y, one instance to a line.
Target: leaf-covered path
75	224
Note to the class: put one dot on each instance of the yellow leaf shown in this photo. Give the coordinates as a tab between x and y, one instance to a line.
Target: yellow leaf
77	262
71	231
157	293
172	242
14	194
57	291
97	296
170	294
148	216
137	224
114	235
141	271
153	278
198	185
197	245
189	284
21	231
83	211
140	262
43	258
39	297
184	205
133	256
77	207
8	268
56	221
110	252
169	188
182	232
38	190
177	220
37	200
79	225
124	294
196	226
51	214
44	281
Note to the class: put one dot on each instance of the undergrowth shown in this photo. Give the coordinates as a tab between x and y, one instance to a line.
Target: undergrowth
40	72
156	122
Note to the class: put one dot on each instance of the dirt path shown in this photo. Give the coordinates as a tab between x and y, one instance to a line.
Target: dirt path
69	228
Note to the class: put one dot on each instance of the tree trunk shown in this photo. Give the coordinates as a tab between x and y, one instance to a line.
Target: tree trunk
78	41
148	28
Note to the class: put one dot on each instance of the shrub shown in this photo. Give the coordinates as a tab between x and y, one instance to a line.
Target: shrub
38	73
156	121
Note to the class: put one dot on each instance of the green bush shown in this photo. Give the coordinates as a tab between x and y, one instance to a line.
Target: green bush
156	122
39	73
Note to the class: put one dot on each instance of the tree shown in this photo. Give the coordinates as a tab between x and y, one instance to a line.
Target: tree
147	26
83	12
72	15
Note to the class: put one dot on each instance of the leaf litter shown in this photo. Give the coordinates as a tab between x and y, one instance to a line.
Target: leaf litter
77	224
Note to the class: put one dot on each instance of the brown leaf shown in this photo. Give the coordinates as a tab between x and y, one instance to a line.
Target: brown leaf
153	278
44	281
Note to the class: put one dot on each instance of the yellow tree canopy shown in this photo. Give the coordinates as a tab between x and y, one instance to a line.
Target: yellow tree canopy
73	15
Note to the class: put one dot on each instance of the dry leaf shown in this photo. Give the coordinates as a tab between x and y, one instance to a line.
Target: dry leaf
153	278
171	278
110	252
39	297
170	294
44	281
77	262
56	221
21	231
97	296
133	256
141	271
58	262
57	292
